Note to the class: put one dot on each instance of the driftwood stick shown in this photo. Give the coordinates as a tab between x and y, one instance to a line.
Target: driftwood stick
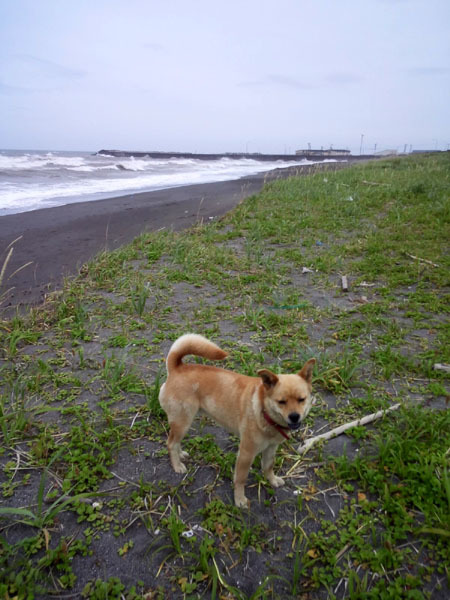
339	430
421	259
441	367
373	182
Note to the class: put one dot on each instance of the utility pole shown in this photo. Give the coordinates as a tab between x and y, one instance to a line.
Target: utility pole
404	149
361	146
375	149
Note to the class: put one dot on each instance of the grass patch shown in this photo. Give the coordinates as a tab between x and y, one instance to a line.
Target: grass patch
87	489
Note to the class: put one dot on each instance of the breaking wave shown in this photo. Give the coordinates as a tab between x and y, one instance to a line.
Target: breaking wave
32	180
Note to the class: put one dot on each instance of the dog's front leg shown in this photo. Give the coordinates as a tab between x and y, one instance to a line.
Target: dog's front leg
244	461
268	459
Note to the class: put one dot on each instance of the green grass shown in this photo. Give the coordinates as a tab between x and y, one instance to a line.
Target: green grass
84	471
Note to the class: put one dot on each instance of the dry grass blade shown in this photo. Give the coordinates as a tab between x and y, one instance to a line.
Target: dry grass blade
30	262
11	244
5	264
10	249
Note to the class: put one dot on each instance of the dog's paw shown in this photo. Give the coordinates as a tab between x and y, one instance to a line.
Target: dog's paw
276	481
242	502
184	455
180	468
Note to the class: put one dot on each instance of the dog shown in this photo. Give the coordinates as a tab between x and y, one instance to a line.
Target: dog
260	410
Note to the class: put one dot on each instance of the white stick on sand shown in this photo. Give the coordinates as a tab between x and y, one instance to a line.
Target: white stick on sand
338	430
421	259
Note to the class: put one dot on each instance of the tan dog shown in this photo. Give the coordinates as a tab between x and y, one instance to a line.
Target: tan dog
260	410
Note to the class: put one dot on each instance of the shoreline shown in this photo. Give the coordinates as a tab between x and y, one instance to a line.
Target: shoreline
59	240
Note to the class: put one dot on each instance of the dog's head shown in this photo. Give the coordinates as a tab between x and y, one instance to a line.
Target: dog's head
287	398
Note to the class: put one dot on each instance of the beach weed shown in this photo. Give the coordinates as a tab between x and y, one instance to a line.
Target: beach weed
14	419
15	333
120	377
152	395
370	516
139	296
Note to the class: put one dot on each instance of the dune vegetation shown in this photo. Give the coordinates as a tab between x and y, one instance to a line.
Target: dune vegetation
89	505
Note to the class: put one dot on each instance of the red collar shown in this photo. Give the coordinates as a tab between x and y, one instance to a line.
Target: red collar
278	427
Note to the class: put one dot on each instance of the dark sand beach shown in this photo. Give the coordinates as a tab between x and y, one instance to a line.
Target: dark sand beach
58	241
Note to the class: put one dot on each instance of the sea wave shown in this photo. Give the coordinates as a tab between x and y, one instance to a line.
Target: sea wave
36	161
32	180
34	195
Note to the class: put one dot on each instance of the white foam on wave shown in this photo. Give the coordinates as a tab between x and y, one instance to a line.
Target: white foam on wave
38	161
134	164
89	178
92	169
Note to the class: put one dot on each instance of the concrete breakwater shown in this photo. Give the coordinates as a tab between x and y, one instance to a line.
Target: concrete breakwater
232	155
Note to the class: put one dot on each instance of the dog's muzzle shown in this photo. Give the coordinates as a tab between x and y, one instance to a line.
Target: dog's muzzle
294	421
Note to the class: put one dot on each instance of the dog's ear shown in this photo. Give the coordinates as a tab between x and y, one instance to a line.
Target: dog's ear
307	370
269	378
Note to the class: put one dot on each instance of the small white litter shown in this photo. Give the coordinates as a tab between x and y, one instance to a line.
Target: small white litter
188	534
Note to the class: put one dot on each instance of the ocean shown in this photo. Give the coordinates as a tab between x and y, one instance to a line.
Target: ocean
30	180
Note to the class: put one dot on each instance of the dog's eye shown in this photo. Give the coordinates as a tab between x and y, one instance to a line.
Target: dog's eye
282	401
301	399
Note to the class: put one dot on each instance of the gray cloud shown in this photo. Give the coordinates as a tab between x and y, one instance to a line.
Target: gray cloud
290	82
278	80
9	89
338	79
153	46
50	68
330	80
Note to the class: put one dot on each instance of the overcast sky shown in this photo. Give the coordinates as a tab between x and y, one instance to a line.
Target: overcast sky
231	75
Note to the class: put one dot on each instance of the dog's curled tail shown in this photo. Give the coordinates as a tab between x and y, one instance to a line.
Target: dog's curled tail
192	343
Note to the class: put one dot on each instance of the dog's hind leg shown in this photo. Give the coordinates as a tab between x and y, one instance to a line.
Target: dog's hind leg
178	429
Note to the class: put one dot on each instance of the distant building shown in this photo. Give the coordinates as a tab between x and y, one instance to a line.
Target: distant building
322	152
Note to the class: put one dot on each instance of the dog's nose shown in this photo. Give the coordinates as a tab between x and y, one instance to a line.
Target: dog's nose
293	417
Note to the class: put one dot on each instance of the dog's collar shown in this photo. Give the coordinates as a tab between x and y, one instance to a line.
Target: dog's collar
277	426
